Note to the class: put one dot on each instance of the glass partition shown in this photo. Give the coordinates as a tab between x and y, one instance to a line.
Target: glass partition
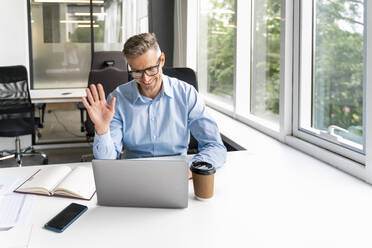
61	44
118	20
61	36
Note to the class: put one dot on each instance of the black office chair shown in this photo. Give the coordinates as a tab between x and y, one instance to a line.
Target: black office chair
187	75
16	112
109	68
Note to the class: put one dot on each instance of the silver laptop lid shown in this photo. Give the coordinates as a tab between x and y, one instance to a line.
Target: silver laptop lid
142	183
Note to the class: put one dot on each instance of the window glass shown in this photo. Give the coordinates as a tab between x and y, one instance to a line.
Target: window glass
216	60
332	101
61	47
118	20
61	36
265	82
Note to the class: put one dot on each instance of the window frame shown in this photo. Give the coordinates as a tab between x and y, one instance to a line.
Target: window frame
297	130
288	131
277	130
368	94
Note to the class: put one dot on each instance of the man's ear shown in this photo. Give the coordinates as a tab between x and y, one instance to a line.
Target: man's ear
162	59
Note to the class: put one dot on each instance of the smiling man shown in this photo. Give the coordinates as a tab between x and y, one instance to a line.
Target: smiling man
153	114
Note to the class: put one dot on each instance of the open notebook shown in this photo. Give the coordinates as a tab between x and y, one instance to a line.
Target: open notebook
61	180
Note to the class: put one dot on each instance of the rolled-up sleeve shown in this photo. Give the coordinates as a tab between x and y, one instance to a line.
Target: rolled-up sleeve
205	131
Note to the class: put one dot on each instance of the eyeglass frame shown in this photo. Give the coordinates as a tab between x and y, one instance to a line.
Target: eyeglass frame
144	70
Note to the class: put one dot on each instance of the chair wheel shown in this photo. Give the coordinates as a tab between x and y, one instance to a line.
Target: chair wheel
45	161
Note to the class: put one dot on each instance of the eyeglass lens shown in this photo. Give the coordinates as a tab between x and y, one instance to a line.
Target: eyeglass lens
149	72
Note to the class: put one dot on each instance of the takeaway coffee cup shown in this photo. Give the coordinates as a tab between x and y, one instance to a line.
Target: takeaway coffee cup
203	179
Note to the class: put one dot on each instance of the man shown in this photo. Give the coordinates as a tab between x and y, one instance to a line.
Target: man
153	114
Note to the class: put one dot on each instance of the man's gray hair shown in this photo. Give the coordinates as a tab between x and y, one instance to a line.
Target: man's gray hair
139	44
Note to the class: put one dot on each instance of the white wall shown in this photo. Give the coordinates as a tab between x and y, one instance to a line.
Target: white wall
14	47
14	33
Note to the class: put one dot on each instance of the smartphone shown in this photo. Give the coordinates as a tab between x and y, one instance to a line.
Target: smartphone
66	217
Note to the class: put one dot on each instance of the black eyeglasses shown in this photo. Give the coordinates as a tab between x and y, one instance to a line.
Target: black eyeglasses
150	71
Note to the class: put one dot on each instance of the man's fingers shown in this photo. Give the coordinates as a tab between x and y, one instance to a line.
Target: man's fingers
93	89
101	92
112	104
89	95
85	102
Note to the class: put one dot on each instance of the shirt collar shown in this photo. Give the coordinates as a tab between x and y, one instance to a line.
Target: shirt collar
166	89
135	92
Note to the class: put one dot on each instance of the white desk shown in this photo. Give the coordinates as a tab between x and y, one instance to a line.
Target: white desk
57	95
284	199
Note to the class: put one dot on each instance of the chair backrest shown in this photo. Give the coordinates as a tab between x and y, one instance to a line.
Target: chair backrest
103	59
109	68
14	91
187	75
15	102
110	78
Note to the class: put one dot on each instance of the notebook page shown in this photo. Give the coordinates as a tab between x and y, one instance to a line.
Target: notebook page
47	178
80	182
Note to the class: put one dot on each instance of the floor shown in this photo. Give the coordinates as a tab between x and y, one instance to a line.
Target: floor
61	125
55	156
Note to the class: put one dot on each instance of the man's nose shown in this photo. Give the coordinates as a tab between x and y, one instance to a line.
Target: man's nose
145	77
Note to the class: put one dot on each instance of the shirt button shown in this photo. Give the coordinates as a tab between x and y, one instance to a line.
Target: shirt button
154	136
152	118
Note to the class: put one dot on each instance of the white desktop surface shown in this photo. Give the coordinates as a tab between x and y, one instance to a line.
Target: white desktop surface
57	95
280	199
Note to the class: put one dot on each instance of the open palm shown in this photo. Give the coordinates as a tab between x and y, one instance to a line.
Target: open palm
99	111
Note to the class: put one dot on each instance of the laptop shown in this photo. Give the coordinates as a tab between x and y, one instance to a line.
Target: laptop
142	183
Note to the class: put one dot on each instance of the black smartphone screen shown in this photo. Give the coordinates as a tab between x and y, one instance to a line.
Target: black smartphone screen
67	216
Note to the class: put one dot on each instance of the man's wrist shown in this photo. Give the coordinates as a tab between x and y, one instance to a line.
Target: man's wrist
101	130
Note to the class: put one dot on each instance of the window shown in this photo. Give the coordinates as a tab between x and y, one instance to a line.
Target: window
216	54
238	58
265	80
299	73
331	75
61	33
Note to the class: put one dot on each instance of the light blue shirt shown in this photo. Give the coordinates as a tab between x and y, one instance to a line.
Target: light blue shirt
161	126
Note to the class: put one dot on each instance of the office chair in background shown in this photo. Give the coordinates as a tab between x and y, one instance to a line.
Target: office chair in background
17	112
109	68
187	75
